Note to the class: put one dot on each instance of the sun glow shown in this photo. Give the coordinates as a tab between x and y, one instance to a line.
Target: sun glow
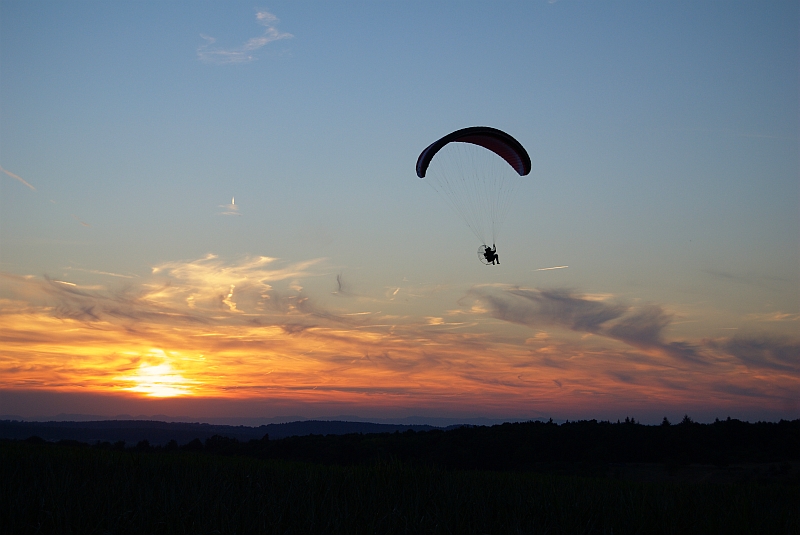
206	329
158	381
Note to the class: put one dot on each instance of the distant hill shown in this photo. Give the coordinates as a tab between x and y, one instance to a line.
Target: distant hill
160	433
577	447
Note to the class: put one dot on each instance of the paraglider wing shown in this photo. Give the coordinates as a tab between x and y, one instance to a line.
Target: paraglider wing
476	170
489	138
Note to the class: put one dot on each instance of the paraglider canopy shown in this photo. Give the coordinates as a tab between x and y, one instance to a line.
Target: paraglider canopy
476	170
489	138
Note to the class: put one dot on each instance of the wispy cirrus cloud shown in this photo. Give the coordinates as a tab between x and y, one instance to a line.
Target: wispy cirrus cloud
774	317
750	279
639	327
17	178
217	327
28	185
764	352
202	291
79	220
250	328
99	272
211	53
720	362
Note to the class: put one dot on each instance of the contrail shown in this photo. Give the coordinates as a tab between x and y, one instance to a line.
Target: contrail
97	272
84	223
547	269
12	175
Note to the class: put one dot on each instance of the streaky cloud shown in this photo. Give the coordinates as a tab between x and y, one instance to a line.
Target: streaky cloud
763	352
248	328
750	279
18	178
79	220
640	328
643	329
557	306
774	317
98	272
208	53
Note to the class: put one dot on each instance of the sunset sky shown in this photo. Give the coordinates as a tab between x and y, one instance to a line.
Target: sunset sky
209	210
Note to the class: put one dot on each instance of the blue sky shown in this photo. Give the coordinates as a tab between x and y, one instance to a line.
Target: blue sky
663	136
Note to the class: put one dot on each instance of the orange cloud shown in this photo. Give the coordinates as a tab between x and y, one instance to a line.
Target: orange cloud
207	328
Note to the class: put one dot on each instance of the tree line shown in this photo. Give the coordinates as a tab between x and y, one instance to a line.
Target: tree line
520	446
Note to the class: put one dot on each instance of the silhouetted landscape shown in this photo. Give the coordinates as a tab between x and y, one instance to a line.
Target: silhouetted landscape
160	433
339	477
510	446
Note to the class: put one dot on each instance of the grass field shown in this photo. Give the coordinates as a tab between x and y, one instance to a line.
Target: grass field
46	488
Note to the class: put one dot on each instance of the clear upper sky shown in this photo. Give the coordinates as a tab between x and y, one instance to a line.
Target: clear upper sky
664	143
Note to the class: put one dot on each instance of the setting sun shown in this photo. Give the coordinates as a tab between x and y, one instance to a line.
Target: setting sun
157	381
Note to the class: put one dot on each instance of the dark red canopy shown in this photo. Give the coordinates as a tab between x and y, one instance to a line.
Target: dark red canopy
489	138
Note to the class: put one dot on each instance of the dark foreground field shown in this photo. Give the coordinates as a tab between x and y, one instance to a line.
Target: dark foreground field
69	488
